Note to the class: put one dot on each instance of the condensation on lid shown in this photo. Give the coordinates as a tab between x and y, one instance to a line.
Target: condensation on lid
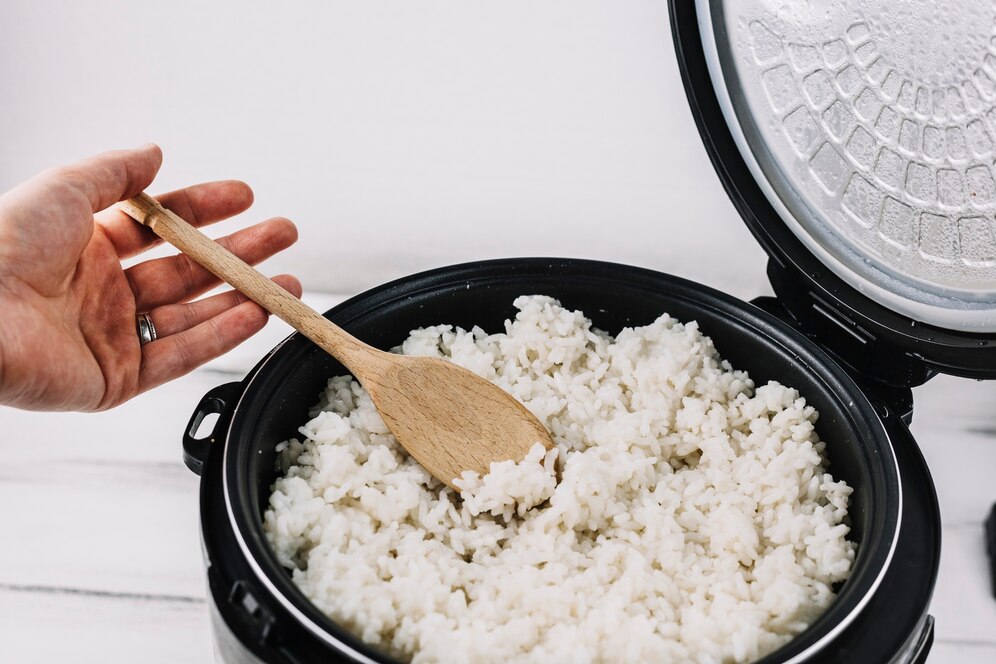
871	127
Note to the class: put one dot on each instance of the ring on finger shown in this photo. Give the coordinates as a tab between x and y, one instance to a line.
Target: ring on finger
146	330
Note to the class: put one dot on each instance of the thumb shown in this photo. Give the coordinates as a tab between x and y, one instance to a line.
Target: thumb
46	222
109	177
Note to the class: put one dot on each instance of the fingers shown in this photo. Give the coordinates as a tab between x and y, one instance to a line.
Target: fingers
171	357
200	205
178	278
172	319
109	177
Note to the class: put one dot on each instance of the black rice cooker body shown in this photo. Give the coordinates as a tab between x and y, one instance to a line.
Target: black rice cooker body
258	612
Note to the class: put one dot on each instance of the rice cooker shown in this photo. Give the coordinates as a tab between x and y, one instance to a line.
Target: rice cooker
858	152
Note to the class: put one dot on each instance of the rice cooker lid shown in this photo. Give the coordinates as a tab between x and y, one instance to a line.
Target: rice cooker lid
868	127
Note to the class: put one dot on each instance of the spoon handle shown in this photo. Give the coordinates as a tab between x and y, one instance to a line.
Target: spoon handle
243	277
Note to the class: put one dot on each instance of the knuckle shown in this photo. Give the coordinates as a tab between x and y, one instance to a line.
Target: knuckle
187	273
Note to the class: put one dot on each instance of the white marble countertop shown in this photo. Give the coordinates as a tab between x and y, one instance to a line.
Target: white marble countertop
101	559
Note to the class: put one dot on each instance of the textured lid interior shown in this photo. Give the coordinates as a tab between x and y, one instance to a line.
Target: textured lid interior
871	127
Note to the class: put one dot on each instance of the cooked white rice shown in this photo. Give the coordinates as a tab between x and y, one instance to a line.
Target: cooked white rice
693	519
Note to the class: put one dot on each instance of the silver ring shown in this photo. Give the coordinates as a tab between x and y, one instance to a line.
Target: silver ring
146	330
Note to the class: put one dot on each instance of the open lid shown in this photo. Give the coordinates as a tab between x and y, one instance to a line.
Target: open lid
857	138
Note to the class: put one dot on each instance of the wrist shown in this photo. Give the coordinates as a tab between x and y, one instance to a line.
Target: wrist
7	304
4	388
3	391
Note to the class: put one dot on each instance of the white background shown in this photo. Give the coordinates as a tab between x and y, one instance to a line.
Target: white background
399	136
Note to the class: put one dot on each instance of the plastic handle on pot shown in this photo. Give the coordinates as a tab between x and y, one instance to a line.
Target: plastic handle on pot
196	450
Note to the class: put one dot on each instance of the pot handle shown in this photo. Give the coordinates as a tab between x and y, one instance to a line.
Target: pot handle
218	400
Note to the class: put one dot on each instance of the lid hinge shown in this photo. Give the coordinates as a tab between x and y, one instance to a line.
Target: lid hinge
886	398
844	337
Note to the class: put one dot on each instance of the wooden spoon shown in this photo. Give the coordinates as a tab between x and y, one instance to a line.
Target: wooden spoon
448	418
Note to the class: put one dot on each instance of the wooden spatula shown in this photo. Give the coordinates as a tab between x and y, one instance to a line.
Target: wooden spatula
449	419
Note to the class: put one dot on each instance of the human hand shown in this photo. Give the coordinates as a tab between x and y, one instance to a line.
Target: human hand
68	308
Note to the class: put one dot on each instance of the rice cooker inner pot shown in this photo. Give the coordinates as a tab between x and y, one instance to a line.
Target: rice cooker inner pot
273	402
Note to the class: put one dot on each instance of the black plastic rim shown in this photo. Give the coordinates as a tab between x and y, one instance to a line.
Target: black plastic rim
947	351
455	288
